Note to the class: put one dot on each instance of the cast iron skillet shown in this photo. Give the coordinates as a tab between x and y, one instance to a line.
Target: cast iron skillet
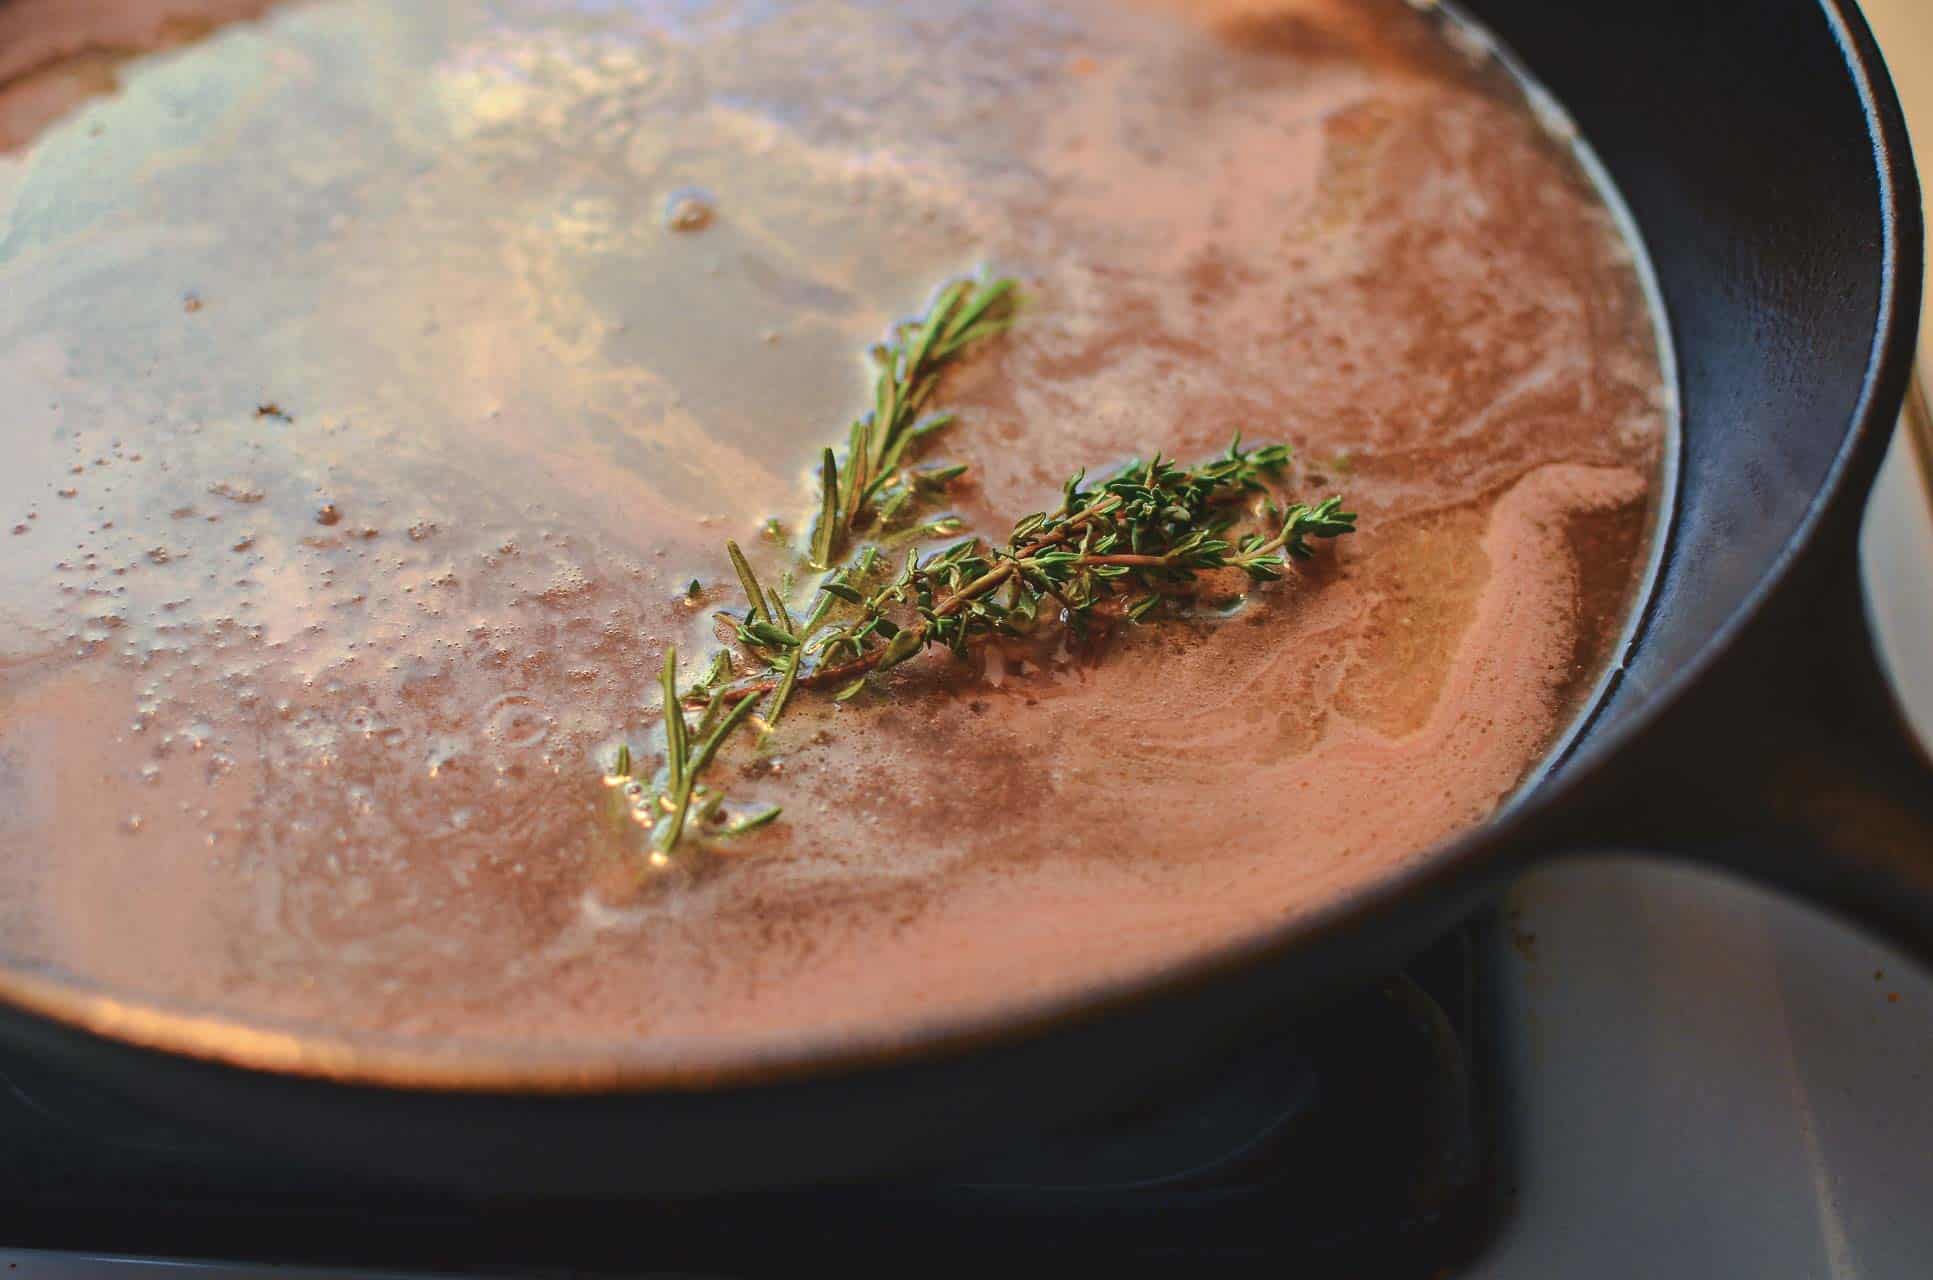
1762	152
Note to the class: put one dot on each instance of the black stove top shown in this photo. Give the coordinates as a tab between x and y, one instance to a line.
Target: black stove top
1357	1142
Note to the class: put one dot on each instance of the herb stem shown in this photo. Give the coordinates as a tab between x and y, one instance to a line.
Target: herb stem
1132	561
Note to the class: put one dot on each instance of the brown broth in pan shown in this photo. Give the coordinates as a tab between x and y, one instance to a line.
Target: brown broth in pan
367	412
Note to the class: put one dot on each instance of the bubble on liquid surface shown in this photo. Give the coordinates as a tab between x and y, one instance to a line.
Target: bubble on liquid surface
689	209
517	720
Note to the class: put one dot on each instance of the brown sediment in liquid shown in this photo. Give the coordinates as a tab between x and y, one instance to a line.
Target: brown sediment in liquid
340	773
56	54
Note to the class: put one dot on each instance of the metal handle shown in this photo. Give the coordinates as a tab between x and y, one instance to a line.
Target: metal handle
1792	764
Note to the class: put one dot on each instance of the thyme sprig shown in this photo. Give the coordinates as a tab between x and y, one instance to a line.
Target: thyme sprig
1132	545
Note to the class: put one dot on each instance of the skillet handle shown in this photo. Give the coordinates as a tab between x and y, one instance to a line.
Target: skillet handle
1793	764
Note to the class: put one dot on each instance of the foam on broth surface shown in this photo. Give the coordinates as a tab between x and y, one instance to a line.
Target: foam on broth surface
367	416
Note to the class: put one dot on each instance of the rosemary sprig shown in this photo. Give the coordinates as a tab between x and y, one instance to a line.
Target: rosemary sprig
870	487
679	795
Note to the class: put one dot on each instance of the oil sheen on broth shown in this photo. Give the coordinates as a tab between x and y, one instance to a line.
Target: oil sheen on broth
367	416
